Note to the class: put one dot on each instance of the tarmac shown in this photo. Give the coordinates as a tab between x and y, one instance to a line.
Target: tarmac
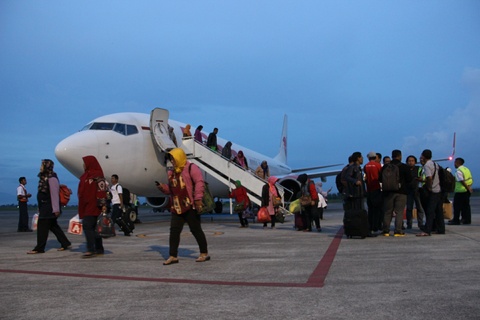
254	273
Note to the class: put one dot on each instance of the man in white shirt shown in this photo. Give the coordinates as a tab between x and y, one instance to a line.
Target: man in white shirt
22	197
117	199
434	209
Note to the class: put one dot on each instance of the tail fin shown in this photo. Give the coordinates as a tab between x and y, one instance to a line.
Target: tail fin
282	153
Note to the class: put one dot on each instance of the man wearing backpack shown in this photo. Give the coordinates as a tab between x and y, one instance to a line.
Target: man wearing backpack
355	191
118	201
463	190
374	194
394	176
434	195
341	183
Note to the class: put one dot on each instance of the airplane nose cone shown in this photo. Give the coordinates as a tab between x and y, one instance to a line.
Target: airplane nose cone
70	151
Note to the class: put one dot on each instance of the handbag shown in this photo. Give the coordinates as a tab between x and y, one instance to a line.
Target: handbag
238	207
247	214
306	200
276	201
208	202
263	216
279	216
105	227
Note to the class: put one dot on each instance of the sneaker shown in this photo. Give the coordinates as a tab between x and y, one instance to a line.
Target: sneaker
399	234
386	234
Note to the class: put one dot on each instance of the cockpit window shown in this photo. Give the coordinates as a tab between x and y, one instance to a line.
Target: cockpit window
101	126
131	129
124	129
120	128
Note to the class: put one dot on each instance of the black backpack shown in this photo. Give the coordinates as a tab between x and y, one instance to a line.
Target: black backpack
340	182
390	177
125	196
447	180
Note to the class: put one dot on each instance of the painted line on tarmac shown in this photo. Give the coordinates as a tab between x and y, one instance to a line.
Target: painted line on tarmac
316	279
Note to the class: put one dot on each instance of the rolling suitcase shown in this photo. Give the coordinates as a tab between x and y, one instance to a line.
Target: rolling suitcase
125	221
299	221
355	223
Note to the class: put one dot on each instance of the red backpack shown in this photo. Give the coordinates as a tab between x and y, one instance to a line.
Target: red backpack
65	193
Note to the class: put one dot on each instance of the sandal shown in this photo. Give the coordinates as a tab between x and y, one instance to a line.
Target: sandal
203	257
88	255
64	248
423	234
170	260
34	252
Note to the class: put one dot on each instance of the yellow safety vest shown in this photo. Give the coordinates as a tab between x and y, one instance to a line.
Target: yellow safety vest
467	177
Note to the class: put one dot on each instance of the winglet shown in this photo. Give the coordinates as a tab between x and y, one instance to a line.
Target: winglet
453	150
282	153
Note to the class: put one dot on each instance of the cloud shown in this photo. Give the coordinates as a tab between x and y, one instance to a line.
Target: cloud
463	121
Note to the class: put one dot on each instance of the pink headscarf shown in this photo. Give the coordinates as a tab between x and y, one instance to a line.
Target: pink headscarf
271	182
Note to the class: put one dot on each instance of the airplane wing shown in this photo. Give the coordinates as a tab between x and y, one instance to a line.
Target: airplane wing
314	168
323	174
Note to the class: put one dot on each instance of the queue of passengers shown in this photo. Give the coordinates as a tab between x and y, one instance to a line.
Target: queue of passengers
396	187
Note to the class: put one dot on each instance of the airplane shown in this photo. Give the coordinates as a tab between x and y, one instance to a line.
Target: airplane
133	146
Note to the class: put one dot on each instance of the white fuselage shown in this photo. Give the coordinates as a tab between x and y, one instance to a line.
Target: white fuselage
135	158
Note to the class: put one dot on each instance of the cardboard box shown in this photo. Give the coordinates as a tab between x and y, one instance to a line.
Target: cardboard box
448	211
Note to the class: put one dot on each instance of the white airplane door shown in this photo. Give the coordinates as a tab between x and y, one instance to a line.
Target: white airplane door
159	129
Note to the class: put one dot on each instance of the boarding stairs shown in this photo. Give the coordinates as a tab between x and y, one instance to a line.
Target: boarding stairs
223	169
211	162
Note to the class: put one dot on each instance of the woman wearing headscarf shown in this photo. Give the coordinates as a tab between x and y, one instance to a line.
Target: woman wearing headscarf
48	198
186	131
263	171
227	150
307	189
88	208
198	134
241	198
185	187
270	199
322	198
241	160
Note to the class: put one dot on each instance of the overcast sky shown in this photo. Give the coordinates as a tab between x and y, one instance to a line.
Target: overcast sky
350	75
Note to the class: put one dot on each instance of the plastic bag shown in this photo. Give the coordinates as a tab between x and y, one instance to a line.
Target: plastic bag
263	216
75	226
35	221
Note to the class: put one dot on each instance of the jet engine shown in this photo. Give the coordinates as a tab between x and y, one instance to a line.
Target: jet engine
292	188
157	202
